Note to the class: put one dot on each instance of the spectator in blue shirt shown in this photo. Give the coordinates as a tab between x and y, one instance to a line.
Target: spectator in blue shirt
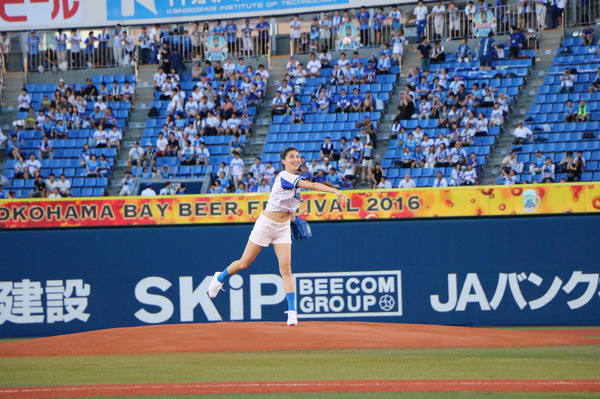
33	50
263	28
363	19
231	30
587	35
515	41
378	20
486	49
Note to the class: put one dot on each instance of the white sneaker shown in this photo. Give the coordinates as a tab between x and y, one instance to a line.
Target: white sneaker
215	286
292	318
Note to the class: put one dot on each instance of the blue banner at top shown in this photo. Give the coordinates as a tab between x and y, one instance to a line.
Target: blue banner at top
154	9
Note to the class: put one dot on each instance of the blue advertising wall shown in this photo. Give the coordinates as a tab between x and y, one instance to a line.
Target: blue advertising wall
482	272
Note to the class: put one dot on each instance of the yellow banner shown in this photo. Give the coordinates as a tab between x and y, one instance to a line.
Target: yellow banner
245	208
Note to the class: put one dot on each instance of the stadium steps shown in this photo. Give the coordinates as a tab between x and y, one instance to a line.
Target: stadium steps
11	88
549	42
144	96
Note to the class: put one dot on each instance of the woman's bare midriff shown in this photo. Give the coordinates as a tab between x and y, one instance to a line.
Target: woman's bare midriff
278	217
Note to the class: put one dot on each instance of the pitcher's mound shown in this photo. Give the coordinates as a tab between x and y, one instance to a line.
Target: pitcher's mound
312	335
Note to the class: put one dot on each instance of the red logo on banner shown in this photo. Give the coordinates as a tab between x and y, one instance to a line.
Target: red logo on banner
68	7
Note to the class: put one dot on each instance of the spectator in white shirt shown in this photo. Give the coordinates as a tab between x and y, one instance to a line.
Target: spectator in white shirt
509	163
510	178
64	186
33	166
407	182
75	40
24	100
440	181
567	81
135	155
313	66
148	191
384	183
159	79
521	134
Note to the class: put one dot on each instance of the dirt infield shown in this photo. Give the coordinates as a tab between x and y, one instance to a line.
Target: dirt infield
235	337
304	387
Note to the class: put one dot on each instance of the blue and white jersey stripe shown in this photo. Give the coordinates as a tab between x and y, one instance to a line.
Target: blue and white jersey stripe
285	194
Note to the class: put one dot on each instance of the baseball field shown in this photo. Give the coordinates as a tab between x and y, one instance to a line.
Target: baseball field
314	360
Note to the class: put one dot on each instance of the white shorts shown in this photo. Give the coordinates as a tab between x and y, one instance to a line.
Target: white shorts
267	231
367	163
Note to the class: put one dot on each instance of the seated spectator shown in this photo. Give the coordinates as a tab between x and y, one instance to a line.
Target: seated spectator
469	175
368	104
186	155
383	64
521	134
438	54
167	189
149	158
92	166
128	93
64	186
24	101
548	170
457	177
537	165
509	178
126	184
135	156
587	35
45	149
104	168
497	116
279	105
425	109
407	107
457	155
326	150
162	143
21	170
384	184
510	162
356	102
313	66
322	103
440	181
407	182
39	188
202	154
567	81
463	53
297	113
595	86
582	112
264	187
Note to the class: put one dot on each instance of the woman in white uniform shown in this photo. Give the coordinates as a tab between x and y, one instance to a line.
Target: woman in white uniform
273	227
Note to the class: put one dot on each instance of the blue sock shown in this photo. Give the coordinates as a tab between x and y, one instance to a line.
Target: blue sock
291	300
223	276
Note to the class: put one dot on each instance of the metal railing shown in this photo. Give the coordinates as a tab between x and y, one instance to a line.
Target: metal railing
458	24
581	12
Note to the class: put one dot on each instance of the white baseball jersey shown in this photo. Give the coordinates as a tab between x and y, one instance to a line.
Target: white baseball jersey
285	194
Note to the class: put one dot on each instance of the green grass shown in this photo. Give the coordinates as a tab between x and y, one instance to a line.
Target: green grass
574	362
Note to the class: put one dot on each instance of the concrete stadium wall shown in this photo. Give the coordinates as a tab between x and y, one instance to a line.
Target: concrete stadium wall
483	272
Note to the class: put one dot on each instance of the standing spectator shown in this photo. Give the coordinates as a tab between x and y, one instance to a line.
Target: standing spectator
486	49
438	12
364	18
103	49
396	17
237	169
398	42
34	58
378	21
521	133
453	20
246	30
4	48
176	61
75	40
61	46
295	34
324	32
263	28
540	12
90	50
424	49
420	13
515	42
145	42
470	11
